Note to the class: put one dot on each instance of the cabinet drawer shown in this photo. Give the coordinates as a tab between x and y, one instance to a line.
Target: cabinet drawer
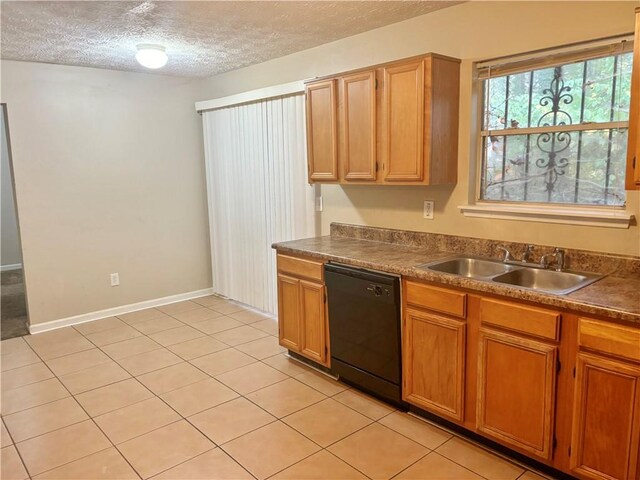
520	318
300	267
604	337
438	299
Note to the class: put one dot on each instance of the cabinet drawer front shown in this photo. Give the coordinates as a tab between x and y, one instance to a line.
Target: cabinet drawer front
438	299
608	338
519	318
300	267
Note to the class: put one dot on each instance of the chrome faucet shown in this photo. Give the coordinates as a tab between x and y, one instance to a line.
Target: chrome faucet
508	257
526	256
558	256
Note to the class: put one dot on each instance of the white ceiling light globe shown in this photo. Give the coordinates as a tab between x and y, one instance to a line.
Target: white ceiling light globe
151	56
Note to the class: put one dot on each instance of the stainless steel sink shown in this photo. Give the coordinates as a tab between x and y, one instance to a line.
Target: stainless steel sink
469	267
547	280
527	276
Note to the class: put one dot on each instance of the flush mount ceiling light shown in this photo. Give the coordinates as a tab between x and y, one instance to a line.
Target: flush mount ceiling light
151	56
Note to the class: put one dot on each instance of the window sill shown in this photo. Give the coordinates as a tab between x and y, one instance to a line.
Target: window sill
593	217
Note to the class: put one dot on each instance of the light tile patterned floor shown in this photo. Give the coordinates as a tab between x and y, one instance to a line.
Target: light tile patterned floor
202	390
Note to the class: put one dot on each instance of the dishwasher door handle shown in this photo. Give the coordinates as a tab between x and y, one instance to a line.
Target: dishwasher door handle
375	289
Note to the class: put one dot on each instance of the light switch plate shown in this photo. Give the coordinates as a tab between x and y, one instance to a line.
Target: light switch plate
115	279
428	209
318	204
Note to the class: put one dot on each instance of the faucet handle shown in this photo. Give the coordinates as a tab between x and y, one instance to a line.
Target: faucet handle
526	256
560	256
508	257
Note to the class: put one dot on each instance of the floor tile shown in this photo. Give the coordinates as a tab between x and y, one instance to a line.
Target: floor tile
5	439
327	422
32	395
262	348
231	420
104	465
479	460
320	466
149	361
155	325
62	446
217	325
286	364
211	465
44	418
94	377
77	361
129	348
21	376
378	452
164	448
176	335
18	359
417	430
197	347
249	316
11	467
227	307
112	397
270	449
251	377
113	335
101	325
140	315
237	336
365	404
13	345
223	361
197	315
135	420
284	398
436	467
171	378
269	326
179	307
208	300
57	343
199	396
321	382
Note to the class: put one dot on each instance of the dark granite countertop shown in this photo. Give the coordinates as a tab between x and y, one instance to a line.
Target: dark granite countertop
614	297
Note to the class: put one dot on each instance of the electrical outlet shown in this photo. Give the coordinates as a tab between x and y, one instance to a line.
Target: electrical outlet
318	204
115	279
428	209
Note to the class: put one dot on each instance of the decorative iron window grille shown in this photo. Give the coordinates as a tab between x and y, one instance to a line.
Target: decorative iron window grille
557	134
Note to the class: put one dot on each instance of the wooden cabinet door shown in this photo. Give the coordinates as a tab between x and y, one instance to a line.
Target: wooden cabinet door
606	422
633	145
404	122
289	325
433	363
358	126
516	391
312	308
322	145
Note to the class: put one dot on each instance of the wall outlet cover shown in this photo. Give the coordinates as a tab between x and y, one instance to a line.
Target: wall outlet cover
115	279
318	204
428	209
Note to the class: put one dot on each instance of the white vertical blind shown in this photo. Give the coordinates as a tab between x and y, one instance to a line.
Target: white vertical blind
258	193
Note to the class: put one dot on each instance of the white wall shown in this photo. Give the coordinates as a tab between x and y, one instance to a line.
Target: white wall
109	178
10	253
471	31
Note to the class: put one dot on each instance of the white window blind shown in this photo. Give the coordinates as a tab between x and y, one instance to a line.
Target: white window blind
257	193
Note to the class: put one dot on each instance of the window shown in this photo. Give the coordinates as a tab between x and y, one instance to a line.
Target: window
554	129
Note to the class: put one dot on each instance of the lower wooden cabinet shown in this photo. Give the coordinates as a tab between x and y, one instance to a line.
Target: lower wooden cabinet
433	363
606	423
516	391
302	320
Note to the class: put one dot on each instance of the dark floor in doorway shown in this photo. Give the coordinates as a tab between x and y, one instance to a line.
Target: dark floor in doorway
13	305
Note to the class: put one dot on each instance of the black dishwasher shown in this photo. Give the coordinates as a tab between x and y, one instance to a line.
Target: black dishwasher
364	328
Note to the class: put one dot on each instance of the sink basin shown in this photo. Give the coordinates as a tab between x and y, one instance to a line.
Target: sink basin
469	267
547	280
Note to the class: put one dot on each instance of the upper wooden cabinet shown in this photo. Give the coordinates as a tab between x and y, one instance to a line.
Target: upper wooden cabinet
397	123
633	149
322	140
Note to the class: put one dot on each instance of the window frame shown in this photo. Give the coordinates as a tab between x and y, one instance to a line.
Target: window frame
602	215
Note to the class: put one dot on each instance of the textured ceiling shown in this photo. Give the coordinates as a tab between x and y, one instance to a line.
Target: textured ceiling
202	38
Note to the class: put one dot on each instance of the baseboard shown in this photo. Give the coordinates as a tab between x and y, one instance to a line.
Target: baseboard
8	268
110	312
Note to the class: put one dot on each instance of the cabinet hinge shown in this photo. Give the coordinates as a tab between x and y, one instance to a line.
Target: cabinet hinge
377	166
376	84
574	372
554	444
558	366
634	163
325	298
569	452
